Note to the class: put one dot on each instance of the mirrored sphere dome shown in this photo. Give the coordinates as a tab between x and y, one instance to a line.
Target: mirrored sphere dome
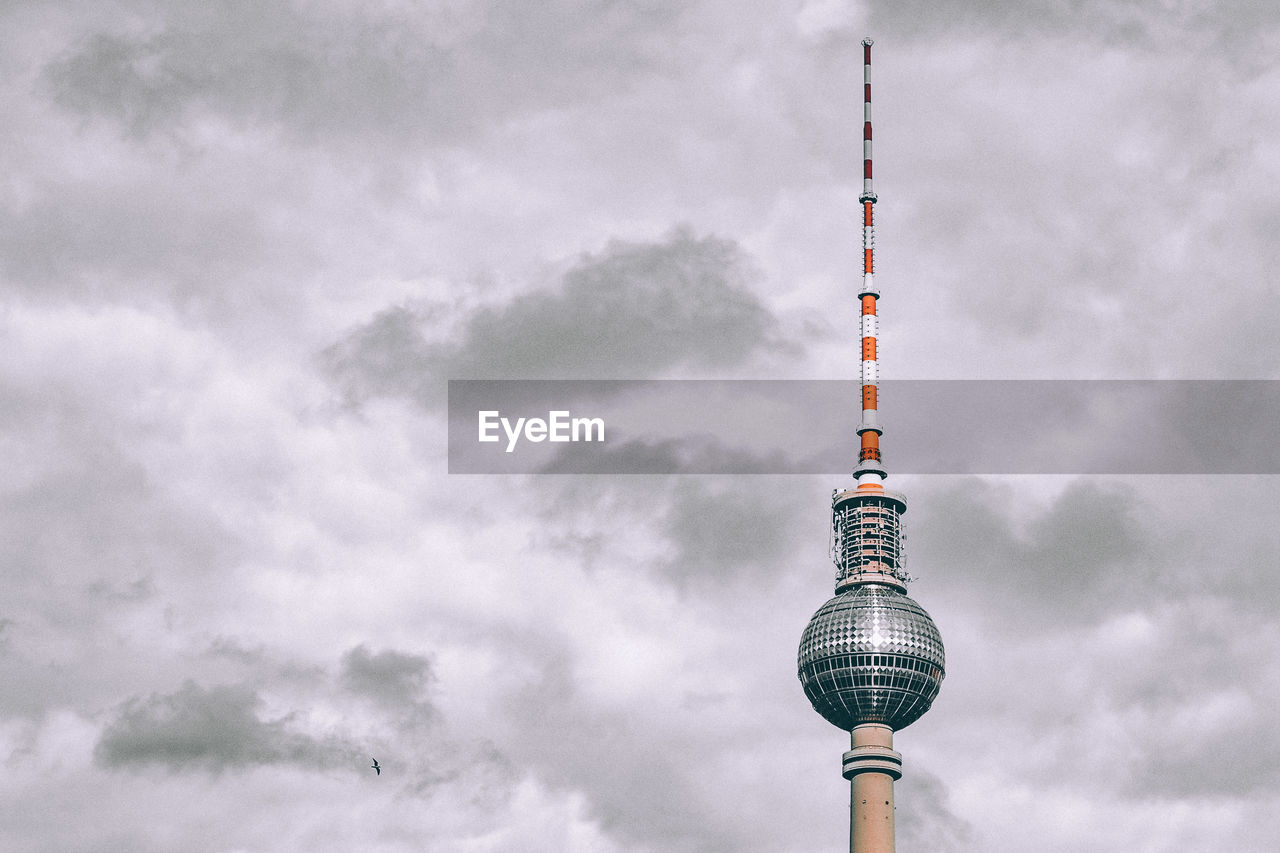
871	655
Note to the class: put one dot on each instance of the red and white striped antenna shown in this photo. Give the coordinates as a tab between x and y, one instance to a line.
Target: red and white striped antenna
870	472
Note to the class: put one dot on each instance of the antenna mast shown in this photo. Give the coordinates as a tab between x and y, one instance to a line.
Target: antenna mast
870	472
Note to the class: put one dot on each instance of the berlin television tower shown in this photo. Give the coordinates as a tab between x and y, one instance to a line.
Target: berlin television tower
871	660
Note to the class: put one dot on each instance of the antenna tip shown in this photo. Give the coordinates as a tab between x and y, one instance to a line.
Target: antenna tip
867	41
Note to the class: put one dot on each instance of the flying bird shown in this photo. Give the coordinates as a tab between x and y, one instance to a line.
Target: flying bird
376	768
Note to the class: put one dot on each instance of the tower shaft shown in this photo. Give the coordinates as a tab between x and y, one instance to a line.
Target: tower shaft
871	766
871	809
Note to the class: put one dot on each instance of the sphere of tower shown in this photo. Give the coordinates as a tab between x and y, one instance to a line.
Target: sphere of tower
871	655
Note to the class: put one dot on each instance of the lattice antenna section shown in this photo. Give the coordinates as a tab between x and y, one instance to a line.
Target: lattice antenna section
866	538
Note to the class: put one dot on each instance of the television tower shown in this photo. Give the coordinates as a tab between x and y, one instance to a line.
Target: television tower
871	660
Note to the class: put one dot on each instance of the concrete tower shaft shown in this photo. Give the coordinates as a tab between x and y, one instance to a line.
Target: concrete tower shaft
872	766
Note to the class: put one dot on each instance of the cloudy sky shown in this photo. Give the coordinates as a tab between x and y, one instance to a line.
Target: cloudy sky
243	245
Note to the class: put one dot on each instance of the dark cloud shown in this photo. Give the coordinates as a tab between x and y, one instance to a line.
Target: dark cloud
129	592
706	533
388	356
1173	697
1200	704
631	457
650	797
411	74
1232	27
214	729
1234	758
1005	18
87	511
231	649
1126	616
698	454
1084	556
633	311
733	530
395	680
1065	176
129	239
1250	349
924	819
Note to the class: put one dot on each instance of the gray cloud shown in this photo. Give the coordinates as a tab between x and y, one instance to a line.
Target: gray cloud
1232	27
87	531
633	311
215	729
707	534
924	819
691	454
650	799
1074	190
1209	675
732	529
127	239
1240	759
377	73
395	680
1110	629
92	495
1086	555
